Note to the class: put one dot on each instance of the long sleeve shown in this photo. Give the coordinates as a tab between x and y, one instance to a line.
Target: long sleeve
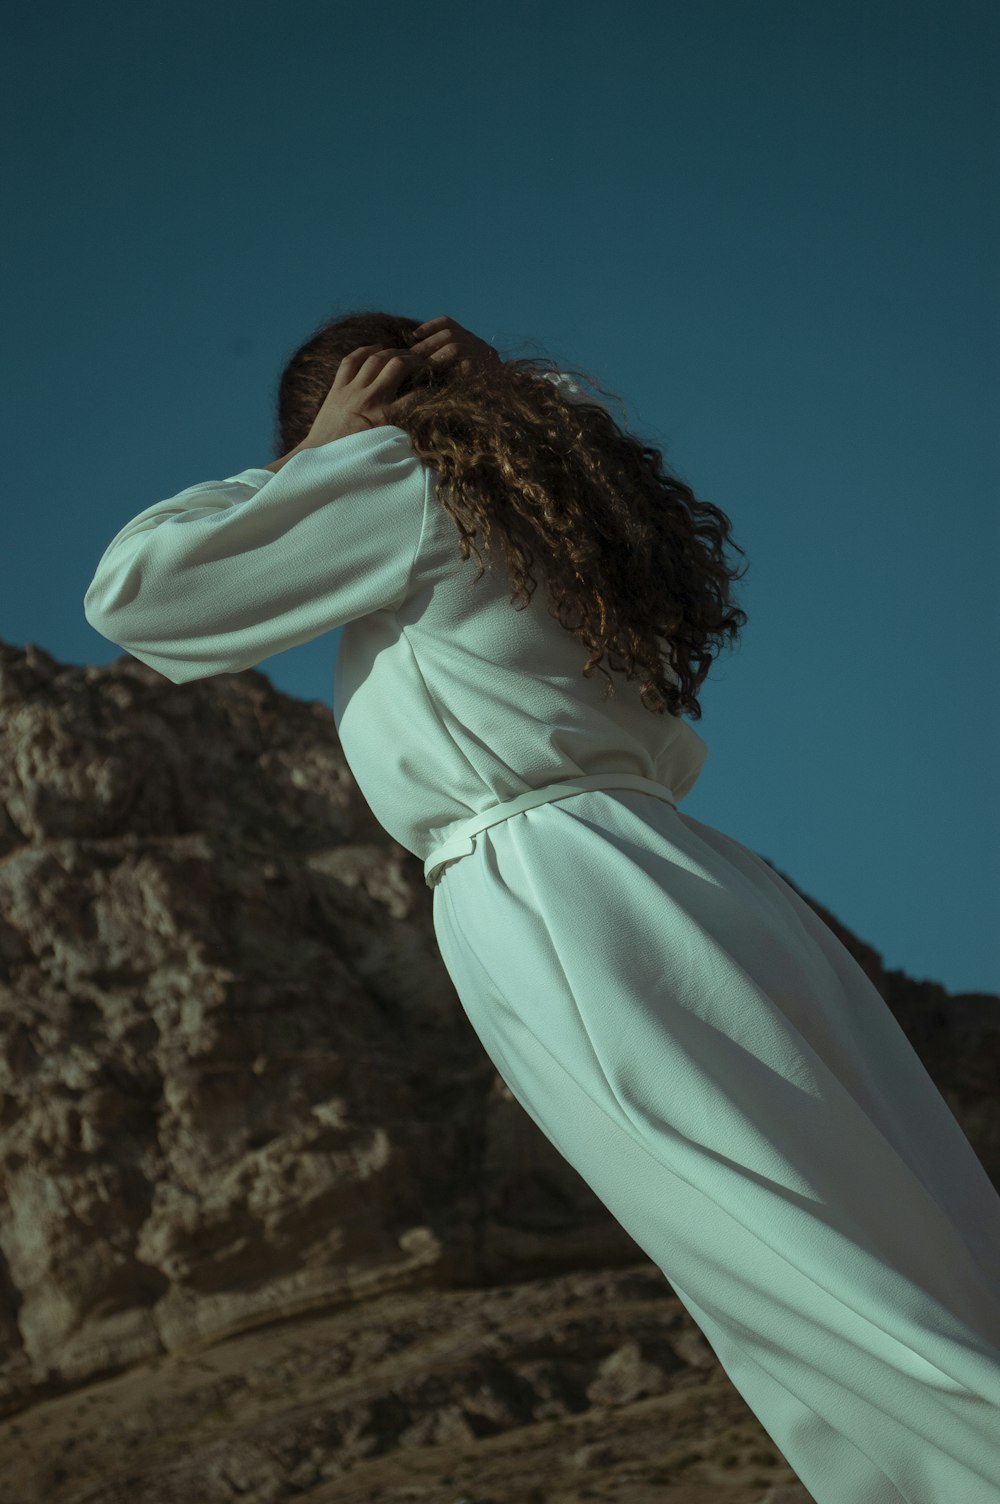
227	573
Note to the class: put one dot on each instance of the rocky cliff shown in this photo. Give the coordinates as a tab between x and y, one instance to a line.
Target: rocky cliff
271	1225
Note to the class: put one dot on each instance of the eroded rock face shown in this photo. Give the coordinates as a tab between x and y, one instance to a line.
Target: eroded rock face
236	1085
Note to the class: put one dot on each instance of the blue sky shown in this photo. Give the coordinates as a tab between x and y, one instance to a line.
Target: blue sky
770	228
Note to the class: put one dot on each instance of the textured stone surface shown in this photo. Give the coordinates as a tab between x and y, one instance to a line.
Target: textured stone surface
272	1226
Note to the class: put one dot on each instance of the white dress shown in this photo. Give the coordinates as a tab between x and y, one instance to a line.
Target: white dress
676	1020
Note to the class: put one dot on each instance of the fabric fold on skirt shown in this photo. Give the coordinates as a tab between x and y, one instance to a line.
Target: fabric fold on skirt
715	1064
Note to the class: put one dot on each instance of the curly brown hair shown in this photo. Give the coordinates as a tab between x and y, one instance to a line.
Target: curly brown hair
626	547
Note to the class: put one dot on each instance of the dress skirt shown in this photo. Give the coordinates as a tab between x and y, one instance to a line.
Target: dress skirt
707	1055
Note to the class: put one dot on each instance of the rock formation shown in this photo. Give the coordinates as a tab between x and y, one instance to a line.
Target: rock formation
271	1225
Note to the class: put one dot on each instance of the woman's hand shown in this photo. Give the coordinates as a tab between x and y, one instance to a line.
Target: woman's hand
443	341
367	380
362	392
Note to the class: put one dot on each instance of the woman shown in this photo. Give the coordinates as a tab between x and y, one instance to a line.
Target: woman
677	1021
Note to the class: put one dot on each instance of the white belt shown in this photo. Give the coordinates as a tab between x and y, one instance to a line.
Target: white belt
458	842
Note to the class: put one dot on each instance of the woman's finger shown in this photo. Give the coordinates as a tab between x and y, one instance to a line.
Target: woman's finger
432	325
383	355
435	341
352	362
406	362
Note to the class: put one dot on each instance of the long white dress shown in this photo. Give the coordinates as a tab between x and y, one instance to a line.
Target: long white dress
676	1020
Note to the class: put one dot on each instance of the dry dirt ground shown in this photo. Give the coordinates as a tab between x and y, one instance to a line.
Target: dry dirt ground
586	1387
